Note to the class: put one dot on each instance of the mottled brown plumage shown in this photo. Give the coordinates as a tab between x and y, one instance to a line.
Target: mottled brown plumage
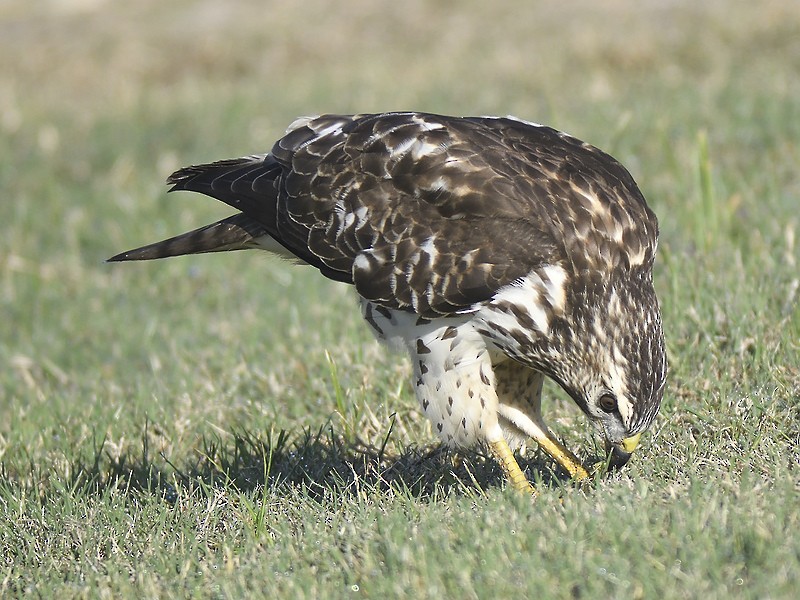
495	250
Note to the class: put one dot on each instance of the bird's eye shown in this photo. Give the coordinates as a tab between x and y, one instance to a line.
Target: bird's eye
608	403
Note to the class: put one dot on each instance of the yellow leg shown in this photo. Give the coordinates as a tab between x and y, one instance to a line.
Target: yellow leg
510	467
568	461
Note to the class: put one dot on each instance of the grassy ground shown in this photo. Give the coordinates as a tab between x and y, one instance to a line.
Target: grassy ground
223	425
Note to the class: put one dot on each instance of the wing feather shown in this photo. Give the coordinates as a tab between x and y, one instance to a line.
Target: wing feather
435	214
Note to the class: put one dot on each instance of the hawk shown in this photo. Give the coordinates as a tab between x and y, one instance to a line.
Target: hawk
495	251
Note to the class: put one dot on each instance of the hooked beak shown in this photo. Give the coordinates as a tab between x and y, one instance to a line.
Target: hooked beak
620	454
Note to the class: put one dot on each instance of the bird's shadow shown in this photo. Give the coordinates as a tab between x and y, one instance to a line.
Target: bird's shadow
324	464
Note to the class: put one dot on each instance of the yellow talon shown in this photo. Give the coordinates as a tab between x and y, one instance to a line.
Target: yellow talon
568	461
510	467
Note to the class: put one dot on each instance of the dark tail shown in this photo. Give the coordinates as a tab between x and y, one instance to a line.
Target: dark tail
234	233
233	182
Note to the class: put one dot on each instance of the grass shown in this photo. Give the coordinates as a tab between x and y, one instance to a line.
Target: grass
222	426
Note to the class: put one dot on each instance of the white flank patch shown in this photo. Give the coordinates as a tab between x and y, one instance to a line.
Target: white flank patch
526	296
510	323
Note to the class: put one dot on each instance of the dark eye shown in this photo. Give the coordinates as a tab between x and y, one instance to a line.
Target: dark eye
608	403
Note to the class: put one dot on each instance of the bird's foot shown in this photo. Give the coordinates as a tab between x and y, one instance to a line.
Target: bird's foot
568	461
508	463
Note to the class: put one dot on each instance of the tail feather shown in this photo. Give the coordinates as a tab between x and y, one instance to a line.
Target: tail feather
246	184
233	233
249	185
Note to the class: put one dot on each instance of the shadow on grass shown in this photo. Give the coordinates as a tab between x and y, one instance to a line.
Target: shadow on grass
324	465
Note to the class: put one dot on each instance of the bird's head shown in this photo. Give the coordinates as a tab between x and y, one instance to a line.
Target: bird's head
613	358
